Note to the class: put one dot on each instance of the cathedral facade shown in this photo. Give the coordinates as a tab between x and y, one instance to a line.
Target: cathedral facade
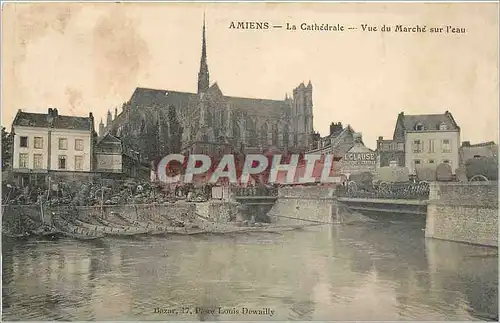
211	122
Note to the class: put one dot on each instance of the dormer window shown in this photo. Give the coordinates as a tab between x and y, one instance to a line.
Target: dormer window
419	127
443	126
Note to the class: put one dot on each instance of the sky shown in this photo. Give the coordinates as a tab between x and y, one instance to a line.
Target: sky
90	57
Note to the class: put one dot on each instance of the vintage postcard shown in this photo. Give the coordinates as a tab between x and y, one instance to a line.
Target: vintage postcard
249	161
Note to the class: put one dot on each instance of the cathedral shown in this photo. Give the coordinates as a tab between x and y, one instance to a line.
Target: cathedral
158	122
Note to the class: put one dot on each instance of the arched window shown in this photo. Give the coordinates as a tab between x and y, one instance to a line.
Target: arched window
443	126
209	118
275	135
252	133
419	126
222	118
285	136
236	130
263	134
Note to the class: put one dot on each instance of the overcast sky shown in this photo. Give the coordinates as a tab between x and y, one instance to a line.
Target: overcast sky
90	57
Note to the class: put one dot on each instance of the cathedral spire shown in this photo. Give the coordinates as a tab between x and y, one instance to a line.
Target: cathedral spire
203	75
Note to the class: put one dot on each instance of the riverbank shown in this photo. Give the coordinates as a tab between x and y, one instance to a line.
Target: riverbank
94	222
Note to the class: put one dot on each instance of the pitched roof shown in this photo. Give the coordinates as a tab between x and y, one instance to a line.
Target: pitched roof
340	146
41	120
144	97
481	144
258	107
430	121
109	138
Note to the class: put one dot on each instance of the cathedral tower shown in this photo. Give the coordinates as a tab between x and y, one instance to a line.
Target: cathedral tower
308	113
302	116
203	75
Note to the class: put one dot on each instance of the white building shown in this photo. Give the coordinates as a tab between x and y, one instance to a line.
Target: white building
51	142
430	140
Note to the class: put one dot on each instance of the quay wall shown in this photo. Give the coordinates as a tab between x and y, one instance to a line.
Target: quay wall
463	212
304	205
217	210
140	211
12	213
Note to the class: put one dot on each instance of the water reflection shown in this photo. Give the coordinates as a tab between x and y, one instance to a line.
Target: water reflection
366	272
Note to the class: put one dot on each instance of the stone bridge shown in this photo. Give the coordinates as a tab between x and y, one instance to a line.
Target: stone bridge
463	212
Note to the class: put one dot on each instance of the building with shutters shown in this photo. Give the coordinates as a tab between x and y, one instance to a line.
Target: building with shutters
51	143
429	140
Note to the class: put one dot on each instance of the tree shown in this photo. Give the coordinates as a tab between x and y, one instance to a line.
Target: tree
6	149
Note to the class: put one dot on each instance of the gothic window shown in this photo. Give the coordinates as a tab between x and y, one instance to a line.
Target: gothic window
204	138
222	118
295	139
252	133
263	134
209	118
285	136
275	135
236	130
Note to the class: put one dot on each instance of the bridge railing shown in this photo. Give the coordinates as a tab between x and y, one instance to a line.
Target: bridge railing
255	191
409	191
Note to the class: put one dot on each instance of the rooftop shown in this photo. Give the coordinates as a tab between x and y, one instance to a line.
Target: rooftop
52	119
430	122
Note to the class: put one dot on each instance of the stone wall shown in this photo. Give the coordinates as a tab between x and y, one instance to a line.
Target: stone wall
218	211
140	211
306	192
133	212
463	212
304	205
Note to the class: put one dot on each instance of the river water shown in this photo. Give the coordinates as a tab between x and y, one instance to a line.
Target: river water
372	271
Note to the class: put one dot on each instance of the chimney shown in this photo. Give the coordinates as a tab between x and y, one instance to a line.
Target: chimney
50	117
380	138
116	112
91	119
465	143
336	127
